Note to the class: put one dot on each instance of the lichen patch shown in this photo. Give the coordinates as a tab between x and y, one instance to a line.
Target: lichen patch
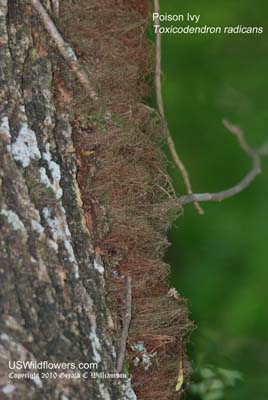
128	391
61	234
55	173
104	392
5	130
98	266
14	220
37	227
25	148
96	346
8	389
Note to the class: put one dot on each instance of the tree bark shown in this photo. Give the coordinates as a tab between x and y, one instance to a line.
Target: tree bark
52	293
85	206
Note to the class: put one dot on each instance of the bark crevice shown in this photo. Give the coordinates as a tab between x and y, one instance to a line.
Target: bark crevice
52	298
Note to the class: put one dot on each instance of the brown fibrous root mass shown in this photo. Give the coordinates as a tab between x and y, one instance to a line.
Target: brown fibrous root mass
127	196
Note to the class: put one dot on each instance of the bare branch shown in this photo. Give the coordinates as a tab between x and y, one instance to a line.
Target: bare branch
254	154
237	131
160	105
65	50
126	323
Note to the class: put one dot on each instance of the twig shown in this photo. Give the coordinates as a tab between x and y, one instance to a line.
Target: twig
160	105
126	323
65	50
254	154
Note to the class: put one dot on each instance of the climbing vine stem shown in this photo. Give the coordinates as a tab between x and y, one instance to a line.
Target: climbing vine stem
64	48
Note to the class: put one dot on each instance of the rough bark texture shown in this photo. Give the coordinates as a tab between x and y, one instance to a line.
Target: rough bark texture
65	255
52	293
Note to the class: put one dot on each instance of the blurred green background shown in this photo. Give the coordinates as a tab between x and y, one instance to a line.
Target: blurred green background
220	260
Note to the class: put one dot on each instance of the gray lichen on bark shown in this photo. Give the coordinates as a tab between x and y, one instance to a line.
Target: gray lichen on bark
52	294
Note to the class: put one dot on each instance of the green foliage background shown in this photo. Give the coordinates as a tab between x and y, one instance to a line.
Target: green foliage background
220	261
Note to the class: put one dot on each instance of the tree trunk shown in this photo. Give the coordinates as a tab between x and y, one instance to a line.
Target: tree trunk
84	203
52	290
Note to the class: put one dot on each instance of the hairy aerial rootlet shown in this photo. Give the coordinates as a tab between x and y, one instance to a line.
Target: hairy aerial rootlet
128	198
